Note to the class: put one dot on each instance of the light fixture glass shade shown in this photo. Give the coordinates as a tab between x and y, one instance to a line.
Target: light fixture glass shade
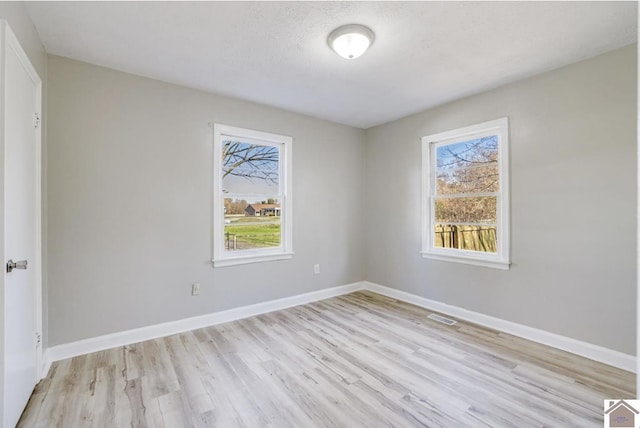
350	41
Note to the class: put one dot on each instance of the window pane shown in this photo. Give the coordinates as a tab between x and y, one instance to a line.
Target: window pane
475	179
468	166
477	152
466	210
250	168
466	237
251	223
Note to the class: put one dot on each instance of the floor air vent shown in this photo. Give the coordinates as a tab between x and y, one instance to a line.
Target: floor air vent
442	319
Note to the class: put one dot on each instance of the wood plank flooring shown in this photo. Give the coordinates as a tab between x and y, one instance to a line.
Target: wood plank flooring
360	360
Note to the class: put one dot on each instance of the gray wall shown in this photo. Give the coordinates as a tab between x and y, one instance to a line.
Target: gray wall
130	203
15	13
573	204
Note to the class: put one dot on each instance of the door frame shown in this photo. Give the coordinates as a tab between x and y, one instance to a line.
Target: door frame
8	40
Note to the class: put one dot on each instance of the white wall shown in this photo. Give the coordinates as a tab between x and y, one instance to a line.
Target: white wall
573	204
130	203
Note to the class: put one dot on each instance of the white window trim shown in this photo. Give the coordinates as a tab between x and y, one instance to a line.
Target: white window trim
501	259
285	250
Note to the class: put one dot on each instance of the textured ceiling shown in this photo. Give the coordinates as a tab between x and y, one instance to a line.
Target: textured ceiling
275	53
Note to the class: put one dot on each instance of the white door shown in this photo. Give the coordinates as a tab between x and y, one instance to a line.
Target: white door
22	229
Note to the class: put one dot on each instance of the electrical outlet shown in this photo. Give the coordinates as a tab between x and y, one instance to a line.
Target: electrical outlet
195	289
316	269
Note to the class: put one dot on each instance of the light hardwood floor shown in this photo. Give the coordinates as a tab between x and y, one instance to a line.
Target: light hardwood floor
360	360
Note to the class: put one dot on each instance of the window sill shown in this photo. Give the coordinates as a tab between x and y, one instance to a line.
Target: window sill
494	264
252	258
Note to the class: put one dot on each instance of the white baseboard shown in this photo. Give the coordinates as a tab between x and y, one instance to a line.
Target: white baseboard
100	343
45	364
584	349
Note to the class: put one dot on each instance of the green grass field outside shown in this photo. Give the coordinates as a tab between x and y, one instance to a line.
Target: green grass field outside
244	233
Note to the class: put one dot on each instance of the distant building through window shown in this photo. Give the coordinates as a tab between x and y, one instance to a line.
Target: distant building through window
262	210
252	201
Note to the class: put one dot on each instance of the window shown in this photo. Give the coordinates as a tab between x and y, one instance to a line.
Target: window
252	200
466	195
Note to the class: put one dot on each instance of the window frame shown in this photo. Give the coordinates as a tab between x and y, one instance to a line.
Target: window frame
500	259
285	251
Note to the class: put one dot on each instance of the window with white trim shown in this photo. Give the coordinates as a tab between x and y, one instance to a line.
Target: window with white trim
465	208
252	200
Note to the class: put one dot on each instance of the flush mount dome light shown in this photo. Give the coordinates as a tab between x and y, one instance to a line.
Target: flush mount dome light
350	41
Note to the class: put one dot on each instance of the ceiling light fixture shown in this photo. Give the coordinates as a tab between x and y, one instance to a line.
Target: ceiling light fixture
350	41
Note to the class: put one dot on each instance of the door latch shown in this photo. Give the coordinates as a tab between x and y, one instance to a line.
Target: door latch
11	265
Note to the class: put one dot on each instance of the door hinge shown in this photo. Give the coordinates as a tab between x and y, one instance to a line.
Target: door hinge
38	339
36	120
